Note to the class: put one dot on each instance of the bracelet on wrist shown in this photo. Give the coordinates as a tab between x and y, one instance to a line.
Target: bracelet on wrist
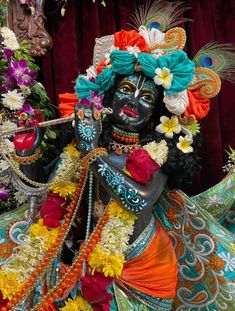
28	159
93	155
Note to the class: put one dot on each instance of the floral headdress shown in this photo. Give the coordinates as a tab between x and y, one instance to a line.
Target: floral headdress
156	49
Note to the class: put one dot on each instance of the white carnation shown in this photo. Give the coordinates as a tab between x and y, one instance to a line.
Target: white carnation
10	40
157	151
13	100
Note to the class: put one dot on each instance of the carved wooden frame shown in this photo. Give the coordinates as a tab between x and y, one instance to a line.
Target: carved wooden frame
30	26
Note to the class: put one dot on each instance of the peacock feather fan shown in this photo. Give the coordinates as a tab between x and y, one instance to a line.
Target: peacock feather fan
218	57
161	15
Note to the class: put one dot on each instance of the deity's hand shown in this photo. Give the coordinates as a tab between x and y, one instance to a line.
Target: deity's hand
87	127
27	142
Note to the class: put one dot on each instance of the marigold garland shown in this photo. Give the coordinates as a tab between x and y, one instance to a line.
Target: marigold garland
78	304
108	255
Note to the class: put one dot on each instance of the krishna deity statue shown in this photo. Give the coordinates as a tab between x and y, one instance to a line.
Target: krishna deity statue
147	245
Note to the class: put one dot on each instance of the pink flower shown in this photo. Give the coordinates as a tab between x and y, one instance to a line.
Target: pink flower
141	166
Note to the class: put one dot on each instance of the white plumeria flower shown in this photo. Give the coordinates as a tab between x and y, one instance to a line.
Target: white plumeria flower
229	261
184	144
163	77
13	100
169	126
133	50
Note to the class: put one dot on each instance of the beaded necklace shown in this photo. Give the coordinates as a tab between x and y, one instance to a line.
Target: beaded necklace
123	141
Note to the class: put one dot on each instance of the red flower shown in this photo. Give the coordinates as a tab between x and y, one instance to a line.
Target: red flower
3	302
94	290
198	105
123	39
141	166
53	210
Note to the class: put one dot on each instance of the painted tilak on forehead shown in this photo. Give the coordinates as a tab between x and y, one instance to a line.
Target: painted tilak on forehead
148	83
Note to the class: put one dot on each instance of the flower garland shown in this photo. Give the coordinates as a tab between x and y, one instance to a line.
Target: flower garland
19	91
108	255
42	239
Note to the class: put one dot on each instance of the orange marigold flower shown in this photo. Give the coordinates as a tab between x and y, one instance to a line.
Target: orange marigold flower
216	263
6	250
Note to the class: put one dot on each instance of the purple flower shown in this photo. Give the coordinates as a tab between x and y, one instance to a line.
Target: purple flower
95	99
8	82
20	71
4	193
8	54
27	108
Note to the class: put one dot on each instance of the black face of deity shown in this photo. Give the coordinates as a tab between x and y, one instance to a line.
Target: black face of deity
134	102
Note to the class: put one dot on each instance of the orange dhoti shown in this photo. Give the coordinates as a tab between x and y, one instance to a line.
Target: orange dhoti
154	272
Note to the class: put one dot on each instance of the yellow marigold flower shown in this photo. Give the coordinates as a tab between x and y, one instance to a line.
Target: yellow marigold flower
9	285
184	144
109	265
79	304
169	126
64	189
73	152
116	210
39	230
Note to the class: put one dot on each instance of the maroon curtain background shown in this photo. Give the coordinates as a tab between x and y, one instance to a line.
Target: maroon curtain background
74	36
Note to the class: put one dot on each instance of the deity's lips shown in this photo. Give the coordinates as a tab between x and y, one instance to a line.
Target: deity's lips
129	112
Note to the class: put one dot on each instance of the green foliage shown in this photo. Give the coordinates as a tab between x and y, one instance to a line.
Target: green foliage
23	53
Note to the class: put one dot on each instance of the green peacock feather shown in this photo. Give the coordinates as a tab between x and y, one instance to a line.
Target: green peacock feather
161	15
218	57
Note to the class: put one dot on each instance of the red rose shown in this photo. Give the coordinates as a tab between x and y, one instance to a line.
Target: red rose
141	166
198	105
123	39
53	210
94	290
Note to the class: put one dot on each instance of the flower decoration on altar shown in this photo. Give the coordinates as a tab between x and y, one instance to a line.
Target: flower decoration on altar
22	98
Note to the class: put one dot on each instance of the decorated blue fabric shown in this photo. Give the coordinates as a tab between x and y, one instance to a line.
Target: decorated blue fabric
123	62
84	87
105	80
179	64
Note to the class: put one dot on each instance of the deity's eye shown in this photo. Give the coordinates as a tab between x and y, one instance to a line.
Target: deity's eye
126	89
148	97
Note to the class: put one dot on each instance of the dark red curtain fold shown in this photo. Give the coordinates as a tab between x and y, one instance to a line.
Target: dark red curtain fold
74	37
